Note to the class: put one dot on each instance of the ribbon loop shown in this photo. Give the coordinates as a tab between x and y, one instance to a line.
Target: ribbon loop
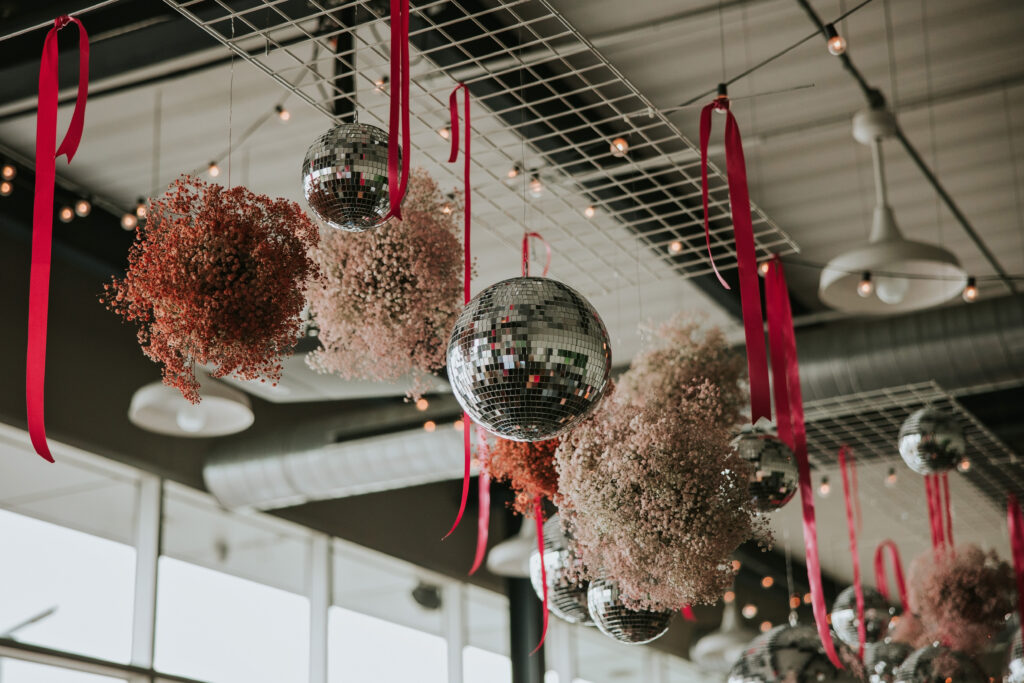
538	515
526	253
484	492
882	581
398	121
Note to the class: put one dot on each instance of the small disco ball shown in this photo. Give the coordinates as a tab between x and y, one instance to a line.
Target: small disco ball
787	654
883	658
529	358
567	596
877	615
937	664
775	476
931	442
615	620
345	177
1015	661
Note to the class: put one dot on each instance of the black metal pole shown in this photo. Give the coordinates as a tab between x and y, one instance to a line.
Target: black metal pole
525	626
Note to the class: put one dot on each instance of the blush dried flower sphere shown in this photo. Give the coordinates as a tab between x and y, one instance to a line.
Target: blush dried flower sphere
392	294
217	277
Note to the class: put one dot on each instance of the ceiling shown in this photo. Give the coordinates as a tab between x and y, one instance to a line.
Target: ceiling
168	98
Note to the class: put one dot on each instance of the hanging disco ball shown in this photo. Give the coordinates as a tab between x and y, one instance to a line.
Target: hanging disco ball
787	654
877	615
567	596
529	358
775	477
1015	662
931	442
345	177
938	664
615	620
883	658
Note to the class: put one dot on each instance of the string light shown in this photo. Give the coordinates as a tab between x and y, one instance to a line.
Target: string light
283	114
213	169
865	287
429	426
381	84
767	582
675	247
836	43
619	147
589	212
445	132
825	488
459	425
514	172
728	597
807	598
964	465
891	477
140	208
129	221
446	208
6	188
749	611
970	294
8	172
83	208
763	268
794	601
736	564
422	404
766	626
66	214
536	187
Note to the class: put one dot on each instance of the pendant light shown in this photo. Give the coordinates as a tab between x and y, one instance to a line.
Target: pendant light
161	409
905	275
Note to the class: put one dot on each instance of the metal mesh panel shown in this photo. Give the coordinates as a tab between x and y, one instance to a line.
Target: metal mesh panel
533	78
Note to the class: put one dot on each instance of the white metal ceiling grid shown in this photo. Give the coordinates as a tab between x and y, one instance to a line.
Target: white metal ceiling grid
551	44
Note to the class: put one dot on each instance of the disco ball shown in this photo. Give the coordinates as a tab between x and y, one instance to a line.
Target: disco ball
529	358
615	620
877	615
567	596
938	664
883	658
345	177
774	480
787	654
931	442
1015	663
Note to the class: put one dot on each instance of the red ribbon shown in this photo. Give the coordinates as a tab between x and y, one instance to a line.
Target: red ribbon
948	510
483	519
846	467
399	114
746	256
526	253
538	517
42	215
688	613
1015	521
882	581
790	413
940	516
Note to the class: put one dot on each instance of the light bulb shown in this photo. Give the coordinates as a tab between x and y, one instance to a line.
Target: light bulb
190	418
8	172
728	597
766	626
763	268
283	114
619	147
140	209
767	582
66	214
736	564
970	294
536	187
6	188
83	207
964	465
891	477
825	488
429	426
514	172
675	247
589	212
446	208
445	132
794	601
459	425
213	169
129	221
381	84
807	598
749	611
836	43
892	290
865	287
422	404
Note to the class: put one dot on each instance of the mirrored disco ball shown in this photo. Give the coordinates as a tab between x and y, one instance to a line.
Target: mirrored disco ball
883	658
1015	661
938	664
529	358
615	620
345	177
775	478
931	442
567	597
877	615
787	654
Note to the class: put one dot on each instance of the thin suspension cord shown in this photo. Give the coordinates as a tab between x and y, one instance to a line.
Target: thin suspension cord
890	46
721	35
1017	180
231	100
931	108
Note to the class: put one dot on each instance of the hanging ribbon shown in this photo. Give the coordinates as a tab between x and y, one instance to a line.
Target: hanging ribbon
688	614
42	215
1015	521
399	114
538	518
483	519
882	581
790	413
846	467
746	256
947	510
467	265
526	253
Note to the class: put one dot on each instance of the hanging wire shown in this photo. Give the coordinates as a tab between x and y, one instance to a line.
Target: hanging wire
231	100
157	128
1017	180
890	46
931	108
721	35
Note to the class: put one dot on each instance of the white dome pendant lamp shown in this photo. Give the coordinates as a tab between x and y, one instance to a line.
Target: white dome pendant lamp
905	275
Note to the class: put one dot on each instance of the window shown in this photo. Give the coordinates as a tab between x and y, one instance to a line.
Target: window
365	648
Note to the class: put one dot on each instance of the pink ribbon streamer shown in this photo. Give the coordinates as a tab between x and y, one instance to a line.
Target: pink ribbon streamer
42	216
746	256
1015	522
483	519
687	612
948	510
399	107
846	467
538	517
790	413
882	581
526	253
